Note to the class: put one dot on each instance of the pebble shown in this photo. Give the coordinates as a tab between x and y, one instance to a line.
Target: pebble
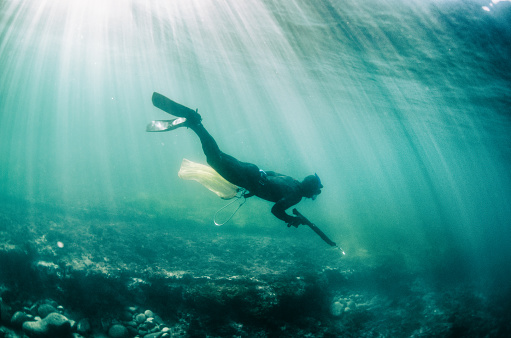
118	331
45	319
140	318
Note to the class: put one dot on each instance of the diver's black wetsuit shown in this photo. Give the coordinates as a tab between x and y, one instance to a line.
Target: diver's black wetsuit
283	190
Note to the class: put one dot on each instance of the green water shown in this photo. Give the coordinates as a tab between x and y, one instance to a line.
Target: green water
401	107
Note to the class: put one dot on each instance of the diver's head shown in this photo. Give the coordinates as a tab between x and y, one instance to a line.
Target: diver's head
311	186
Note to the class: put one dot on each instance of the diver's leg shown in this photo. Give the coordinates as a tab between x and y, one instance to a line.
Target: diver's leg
209	145
245	175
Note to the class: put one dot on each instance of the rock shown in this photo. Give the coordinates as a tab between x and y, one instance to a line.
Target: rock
154	335
131	323
35	329
149	313
147	326
140	318
118	331
33	310
337	309
19	318
57	322
132	331
83	327
45	309
158	319
54	325
126	316
5	313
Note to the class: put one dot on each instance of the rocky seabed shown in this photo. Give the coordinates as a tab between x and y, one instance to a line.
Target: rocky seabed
47	319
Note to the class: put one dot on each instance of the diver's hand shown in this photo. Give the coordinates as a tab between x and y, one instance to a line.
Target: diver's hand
294	221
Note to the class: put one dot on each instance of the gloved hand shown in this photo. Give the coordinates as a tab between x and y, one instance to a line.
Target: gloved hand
294	221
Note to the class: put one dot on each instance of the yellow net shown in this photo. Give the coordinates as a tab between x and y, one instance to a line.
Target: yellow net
208	177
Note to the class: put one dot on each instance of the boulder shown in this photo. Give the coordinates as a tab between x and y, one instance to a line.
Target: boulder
45	309
36	329
54	325
19	318
58	324
118	331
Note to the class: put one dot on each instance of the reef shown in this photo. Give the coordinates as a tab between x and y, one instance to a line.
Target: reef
90	273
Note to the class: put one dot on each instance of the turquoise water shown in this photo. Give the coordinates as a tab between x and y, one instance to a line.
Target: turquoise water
401	107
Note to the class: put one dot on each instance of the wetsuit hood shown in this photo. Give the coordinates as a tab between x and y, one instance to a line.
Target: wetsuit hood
311	186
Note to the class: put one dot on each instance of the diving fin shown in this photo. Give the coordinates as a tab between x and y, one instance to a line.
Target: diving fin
171	107
166	125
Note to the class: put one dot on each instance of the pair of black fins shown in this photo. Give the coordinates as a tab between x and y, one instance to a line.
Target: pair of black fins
167	105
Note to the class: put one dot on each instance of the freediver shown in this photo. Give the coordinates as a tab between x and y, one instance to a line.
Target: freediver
283	190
